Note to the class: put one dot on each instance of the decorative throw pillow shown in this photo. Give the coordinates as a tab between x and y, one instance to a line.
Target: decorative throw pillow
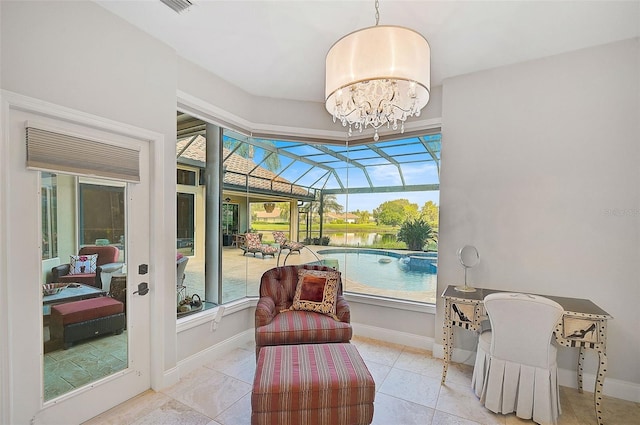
83	264
317	291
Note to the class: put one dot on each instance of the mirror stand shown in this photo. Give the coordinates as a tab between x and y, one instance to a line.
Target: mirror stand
465	288
469	257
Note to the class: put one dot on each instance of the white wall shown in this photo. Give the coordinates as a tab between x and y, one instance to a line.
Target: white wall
540	172
196	340
392	324
77	55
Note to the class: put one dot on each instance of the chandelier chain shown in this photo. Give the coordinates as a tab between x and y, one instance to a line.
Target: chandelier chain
377	13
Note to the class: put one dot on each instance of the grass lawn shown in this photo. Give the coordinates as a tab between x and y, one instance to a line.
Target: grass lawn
329	228
260	226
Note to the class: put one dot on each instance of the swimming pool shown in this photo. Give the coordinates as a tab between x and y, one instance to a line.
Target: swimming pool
373	268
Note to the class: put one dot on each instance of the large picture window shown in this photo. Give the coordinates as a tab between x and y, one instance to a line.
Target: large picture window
333	199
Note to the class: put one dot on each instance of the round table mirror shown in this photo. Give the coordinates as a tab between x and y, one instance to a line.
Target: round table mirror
469	257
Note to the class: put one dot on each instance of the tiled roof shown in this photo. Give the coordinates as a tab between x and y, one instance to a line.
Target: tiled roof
237	167
196	151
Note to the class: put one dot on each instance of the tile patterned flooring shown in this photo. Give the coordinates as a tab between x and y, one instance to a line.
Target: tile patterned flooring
408	392
86	361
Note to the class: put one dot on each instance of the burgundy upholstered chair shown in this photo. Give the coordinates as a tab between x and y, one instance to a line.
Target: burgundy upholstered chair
107	262
273	327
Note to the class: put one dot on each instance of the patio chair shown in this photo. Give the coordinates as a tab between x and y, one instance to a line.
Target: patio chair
93	266
254	245
292	246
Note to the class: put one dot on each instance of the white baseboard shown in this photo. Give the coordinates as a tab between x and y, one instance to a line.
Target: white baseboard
169	378
458	356
612	387
567	378
389	335
203	357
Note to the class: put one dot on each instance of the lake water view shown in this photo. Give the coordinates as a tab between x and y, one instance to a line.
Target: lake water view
360	239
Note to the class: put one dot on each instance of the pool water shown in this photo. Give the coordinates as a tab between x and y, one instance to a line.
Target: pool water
373	269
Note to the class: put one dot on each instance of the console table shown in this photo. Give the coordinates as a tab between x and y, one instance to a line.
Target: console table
583	325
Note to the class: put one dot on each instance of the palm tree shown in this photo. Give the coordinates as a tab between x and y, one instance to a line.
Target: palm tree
331	204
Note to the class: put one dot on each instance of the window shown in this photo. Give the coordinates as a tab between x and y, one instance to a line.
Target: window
48	195
102	213
326	196
186	223
186	177
86	211
229	223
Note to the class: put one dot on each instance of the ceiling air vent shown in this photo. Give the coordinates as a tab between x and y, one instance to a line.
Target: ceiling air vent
178	5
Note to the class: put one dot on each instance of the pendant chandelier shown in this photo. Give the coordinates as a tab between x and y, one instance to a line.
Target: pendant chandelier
269	206
378	76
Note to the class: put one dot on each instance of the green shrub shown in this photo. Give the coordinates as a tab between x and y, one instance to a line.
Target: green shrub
416	233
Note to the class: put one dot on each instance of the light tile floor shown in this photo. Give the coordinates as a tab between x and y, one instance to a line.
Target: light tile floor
84	362
408	392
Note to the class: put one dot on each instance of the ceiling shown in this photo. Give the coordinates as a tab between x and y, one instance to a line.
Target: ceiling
277	48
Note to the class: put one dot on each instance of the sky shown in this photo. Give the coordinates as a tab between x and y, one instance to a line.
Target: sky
370	201
401	162
410	155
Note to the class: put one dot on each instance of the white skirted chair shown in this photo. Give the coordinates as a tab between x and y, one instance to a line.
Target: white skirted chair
515	368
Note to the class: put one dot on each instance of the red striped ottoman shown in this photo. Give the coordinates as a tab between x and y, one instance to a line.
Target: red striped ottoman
324	384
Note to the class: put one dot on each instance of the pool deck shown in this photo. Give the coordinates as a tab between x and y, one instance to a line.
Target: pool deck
241	274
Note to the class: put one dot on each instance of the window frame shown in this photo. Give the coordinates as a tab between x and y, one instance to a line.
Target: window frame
360	296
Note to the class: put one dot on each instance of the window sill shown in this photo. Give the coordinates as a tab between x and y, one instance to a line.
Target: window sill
206	316
390	303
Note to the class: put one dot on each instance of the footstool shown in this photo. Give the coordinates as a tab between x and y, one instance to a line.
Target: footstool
325	384
78	320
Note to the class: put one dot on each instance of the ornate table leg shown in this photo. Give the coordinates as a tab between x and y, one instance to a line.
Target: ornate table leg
447	338
602	369
580	367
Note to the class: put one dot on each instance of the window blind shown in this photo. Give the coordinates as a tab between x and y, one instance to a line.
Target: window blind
57	152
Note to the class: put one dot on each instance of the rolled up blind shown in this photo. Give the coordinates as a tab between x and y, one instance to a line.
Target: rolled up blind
51	151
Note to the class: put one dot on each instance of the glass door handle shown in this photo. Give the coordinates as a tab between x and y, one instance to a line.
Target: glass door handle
143	289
